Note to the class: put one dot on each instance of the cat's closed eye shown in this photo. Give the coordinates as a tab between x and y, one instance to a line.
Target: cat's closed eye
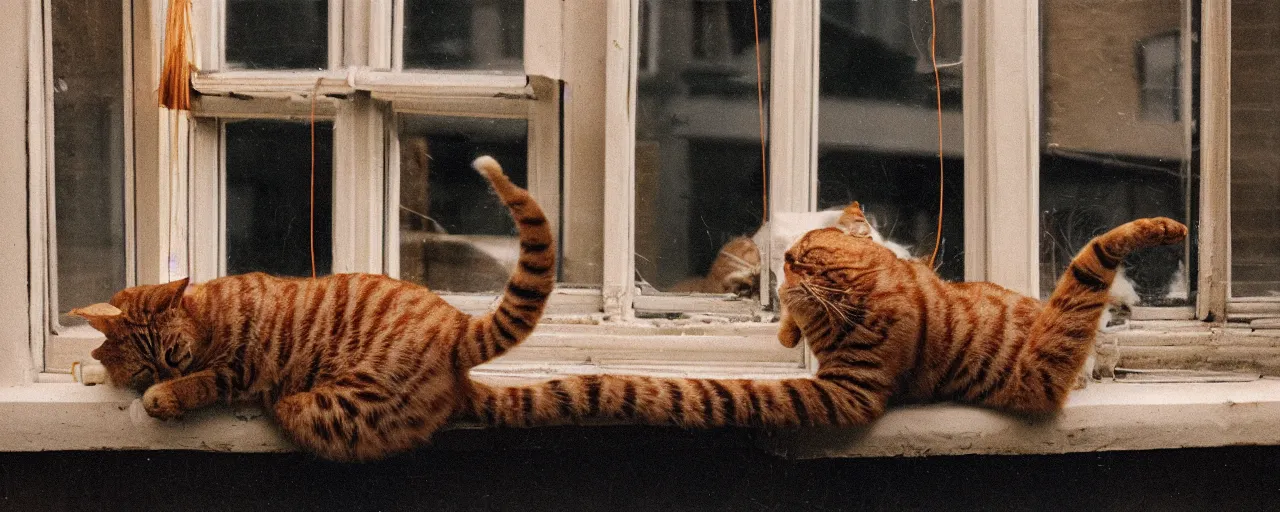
142	377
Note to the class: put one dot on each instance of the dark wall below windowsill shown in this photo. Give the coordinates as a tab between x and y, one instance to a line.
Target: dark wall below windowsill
638	469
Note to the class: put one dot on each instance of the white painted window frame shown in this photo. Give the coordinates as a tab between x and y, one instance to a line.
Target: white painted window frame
1215	136
48	412
596	329
44	329
362	98
1002	155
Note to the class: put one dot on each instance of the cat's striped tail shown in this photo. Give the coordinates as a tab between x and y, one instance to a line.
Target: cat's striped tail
1061	337
525	297
689	403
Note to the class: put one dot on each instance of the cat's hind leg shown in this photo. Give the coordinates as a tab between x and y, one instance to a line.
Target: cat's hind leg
352	423
1061	337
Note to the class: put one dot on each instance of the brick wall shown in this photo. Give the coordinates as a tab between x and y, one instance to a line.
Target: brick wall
1255	147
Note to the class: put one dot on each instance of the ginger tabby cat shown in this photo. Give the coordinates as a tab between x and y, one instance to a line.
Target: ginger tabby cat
357	367
881	328
352	366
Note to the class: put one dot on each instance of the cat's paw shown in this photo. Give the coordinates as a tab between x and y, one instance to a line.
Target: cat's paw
1081	382
1158	231
160	403
789	334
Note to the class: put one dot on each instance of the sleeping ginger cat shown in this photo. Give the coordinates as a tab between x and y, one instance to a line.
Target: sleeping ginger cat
352	366
360	366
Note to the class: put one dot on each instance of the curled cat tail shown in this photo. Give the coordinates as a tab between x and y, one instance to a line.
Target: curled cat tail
688	403
1061	337
525	297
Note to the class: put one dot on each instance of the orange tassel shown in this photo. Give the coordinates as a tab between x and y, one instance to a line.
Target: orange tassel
175	76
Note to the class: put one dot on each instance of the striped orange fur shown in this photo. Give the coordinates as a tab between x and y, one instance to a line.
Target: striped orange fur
354	366
881	328
736	270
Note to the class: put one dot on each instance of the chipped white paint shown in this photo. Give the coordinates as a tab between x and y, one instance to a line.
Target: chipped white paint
1102	417
42	417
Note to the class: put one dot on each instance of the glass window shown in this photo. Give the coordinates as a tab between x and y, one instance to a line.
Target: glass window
88	221
455	234
268	197
1116	145
1159	77
464	34
699	181
1255	149
878	122
277	34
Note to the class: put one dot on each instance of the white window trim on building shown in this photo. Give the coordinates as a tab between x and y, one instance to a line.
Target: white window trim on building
1001	148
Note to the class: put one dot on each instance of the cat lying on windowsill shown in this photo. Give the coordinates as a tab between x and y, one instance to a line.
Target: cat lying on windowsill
360	366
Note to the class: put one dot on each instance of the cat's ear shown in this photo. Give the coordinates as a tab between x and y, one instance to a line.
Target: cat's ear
854	222
161	298
99	315
854	208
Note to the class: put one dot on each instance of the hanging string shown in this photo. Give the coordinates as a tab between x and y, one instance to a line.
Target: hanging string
764	162
937	82
312	197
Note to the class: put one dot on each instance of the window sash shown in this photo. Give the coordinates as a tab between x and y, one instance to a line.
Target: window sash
1215	162
1002	144
542	112
370	33
621	56
128	150
1001	147
42	243
1215	302
209	23
284	93
792	149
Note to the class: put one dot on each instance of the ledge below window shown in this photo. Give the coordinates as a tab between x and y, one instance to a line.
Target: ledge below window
1104	416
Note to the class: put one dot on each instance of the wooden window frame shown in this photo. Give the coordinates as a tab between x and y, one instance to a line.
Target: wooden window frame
595	329
47	411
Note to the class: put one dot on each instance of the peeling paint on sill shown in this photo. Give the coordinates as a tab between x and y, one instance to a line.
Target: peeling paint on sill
1104	416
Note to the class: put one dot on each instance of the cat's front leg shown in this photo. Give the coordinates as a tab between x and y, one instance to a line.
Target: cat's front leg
789	333
170	399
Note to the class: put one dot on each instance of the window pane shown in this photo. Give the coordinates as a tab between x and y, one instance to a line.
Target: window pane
88	152
455	234
277	34
464	34
1117	139
1255	149
699	182
268	197
878	122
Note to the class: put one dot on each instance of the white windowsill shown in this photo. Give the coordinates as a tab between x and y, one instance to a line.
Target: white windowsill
1104	416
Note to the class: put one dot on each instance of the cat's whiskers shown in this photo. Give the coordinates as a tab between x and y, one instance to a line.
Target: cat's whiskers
837	312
